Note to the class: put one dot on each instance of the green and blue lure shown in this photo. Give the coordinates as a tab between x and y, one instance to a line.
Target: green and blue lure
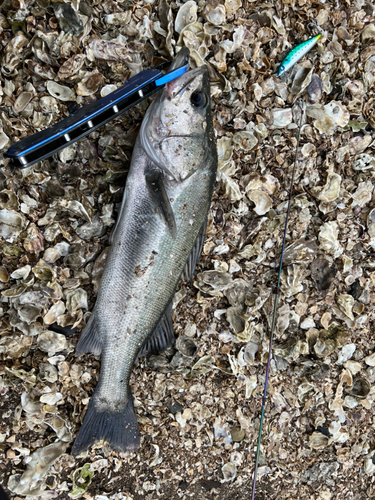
296	54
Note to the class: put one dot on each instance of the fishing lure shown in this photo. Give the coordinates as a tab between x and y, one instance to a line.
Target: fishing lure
296	54
85	120
274	314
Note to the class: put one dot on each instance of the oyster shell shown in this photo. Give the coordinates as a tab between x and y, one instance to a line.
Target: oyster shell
328	238
60	92
51	342
187	14
229	471
331	190
11	224
282	117
329	116
67	18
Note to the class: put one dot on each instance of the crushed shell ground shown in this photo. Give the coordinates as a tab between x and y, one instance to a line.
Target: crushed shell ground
198	405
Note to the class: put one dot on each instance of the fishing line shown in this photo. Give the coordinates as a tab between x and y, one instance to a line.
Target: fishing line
301	104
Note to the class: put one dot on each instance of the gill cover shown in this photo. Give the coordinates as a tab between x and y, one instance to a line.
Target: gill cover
174	131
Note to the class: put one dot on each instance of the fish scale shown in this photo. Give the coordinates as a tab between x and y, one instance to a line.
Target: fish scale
159	230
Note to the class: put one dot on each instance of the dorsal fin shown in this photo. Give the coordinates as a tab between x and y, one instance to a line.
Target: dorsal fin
158	192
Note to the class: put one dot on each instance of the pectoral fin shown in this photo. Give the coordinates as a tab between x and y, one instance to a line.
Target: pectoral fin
191	264
162	337
158	192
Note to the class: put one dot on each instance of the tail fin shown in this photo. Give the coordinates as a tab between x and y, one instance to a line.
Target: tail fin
118	427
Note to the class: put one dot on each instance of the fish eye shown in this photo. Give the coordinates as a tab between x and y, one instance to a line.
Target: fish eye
198	99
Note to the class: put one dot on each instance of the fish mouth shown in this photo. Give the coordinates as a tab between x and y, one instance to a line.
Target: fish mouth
178	86
151	133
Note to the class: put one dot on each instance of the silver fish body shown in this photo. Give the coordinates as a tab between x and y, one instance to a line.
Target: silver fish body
165	206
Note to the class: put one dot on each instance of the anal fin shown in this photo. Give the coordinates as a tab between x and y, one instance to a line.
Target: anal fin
90	340
162	337
191	264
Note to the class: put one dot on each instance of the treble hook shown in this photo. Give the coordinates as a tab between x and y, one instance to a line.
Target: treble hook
313	24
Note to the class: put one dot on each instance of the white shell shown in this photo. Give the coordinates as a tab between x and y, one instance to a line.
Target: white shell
107	89
215	15
21	273
229	471
22	101
51	342
331	190
368	33
11	224
262	201
363	194
60	92
308	149
55	311
4	141
245	140
231	6
346	303
330	116
282	117
364	162
51	398
186	15
76	299
328	237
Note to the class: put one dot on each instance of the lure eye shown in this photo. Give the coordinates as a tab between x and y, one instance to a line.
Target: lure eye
198	99
281	69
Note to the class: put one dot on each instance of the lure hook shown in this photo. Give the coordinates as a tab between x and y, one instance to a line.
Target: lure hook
314	25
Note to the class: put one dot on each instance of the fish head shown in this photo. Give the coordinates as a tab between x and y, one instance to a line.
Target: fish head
177	132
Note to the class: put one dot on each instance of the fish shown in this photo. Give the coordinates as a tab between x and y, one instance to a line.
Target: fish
157	239
296	54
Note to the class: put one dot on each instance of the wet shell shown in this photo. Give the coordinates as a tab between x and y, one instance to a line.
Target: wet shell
4	275
315	89
68	19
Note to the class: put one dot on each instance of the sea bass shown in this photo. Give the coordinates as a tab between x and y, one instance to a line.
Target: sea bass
157	239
